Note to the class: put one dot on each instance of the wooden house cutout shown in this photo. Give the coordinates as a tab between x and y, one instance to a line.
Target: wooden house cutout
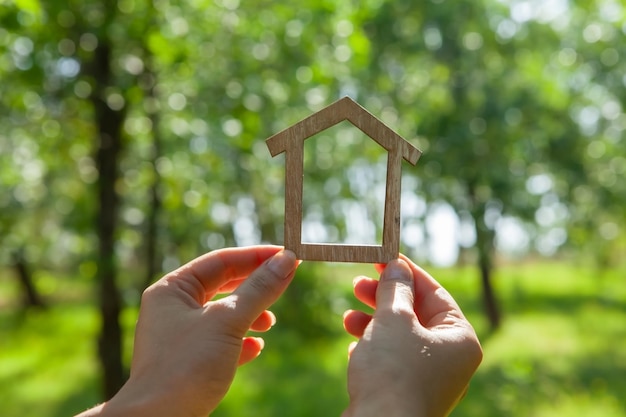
291	141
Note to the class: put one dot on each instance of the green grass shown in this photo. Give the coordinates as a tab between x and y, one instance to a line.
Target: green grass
46	367
560	350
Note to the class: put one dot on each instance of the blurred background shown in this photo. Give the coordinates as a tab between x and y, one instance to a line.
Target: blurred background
132	140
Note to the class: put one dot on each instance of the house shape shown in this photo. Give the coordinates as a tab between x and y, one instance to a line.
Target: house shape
291	141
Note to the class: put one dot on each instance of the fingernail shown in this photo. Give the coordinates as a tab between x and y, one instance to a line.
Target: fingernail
261	342
283	263
397	270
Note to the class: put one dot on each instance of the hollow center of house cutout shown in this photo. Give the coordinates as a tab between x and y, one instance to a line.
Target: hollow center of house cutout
344	186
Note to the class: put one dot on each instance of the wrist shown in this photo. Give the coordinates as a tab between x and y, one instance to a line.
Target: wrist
384	405
137	403
117	407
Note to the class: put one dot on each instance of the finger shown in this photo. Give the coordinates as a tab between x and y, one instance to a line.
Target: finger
261	289
251	348
214	270
355	322
433	304
264	322
395	289
365	290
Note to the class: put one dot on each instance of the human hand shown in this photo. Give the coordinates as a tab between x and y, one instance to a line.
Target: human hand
416	354
187	347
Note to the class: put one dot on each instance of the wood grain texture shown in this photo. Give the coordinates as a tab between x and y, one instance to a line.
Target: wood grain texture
344	253
293	197
291	141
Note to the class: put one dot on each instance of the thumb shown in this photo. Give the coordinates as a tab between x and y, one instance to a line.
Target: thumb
263	287
396	291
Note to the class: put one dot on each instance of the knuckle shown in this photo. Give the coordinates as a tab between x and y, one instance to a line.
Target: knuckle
152	291
262	283
400	314
226	317
404	314
264	280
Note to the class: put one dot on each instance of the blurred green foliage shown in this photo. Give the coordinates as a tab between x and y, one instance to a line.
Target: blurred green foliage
517	105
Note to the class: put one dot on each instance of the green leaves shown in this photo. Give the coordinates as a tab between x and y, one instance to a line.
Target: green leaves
491	93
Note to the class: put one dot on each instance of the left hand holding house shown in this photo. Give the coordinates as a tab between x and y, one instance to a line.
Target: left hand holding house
187	347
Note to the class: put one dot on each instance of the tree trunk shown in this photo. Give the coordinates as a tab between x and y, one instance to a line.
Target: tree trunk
490	304
485	245
31	298
109	145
